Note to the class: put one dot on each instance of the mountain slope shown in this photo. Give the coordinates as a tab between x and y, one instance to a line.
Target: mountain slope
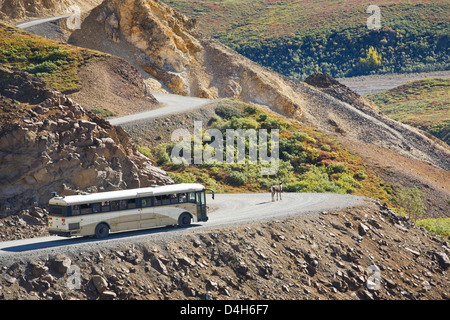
166	45
366	252
163	44
20	10
98	81
301	37
423	104
49	143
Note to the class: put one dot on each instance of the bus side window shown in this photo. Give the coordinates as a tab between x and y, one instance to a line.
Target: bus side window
174	198
132	204
86	209
105	206
192	197
96	207
165	199
75	210
146	202
123	204
114	205
157	200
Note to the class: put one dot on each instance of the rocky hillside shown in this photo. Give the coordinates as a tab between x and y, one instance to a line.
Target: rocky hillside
96	80
422	103
165	44
20	10
50	143
365	253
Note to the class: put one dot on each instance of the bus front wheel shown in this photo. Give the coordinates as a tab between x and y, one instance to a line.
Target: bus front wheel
101	231
184	220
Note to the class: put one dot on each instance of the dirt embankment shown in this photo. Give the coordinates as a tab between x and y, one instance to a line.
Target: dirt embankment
112	84
365	252
403	156
49	143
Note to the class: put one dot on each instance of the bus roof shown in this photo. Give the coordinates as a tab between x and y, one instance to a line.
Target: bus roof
126	194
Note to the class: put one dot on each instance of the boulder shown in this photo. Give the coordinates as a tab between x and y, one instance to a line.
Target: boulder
100	283
61	264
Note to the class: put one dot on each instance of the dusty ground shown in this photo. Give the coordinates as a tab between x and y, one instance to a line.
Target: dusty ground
402	171
365	252
376	83
113	84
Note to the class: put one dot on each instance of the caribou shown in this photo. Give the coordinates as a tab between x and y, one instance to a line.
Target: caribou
276	189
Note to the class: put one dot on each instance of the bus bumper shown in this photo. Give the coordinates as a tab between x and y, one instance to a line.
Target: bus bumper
60	233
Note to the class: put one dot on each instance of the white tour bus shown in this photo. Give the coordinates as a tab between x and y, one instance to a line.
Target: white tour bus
98	214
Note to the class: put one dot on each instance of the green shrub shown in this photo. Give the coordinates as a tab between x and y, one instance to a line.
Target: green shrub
439	226
325	147
145	151
183	177
410	202
347	184
236	178
228	112
162	156
262	117
337	168
361	175
251	110
241	123
103	112
44	67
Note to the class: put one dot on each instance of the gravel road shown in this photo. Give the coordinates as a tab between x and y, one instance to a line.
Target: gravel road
172	103
377	83
225	211
29	24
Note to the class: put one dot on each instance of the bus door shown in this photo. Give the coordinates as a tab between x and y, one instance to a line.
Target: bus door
201	206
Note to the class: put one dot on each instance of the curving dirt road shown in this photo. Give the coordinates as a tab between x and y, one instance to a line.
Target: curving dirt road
29	24
376	83
226	210
172	103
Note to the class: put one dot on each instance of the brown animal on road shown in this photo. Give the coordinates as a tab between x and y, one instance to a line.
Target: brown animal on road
276	189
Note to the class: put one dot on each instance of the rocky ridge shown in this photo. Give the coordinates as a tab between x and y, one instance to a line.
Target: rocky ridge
49	143
366	252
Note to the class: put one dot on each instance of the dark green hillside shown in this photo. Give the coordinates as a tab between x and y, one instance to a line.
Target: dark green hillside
299	37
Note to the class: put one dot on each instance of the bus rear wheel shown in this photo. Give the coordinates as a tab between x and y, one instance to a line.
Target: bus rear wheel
101	231
184	220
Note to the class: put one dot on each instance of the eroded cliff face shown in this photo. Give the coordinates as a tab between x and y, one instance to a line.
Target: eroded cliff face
19	10
50	143
165	45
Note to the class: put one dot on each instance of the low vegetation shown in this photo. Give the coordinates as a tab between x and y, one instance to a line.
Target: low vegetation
103	112
423	104
309	161
301	37
439	226
410	202
55	63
